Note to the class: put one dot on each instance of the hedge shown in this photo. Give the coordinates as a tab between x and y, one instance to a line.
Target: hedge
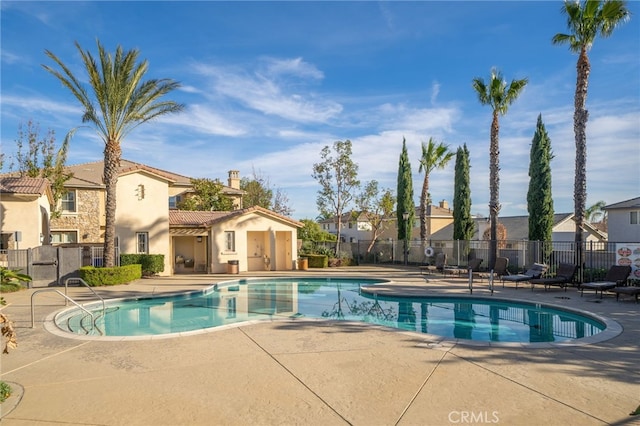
152	264
110	276
317	260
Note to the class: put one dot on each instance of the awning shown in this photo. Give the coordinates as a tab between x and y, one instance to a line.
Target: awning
188	232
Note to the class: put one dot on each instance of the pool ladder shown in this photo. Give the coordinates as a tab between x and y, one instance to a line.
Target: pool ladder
69	299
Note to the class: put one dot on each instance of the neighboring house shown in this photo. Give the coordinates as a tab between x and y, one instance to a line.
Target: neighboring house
146	200
518	229
24	212
623	220
438	217
356	227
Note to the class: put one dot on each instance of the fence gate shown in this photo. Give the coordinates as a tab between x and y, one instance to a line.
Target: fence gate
47	265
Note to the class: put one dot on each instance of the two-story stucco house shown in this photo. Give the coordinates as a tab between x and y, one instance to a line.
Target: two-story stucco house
623	221
147	221
24	212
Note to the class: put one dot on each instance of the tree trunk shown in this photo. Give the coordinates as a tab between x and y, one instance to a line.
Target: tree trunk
112	155
580	117
494	188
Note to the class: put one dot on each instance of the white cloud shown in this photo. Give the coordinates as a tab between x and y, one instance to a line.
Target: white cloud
203	120
296	67
269	95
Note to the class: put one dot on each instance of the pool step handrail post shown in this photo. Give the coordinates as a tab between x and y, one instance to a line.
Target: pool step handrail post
83	282
67	298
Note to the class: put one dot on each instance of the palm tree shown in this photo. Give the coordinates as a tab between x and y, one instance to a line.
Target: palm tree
119	101
585	22
499	96
434	156
596	213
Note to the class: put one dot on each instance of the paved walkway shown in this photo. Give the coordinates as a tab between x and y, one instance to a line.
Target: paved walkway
306	372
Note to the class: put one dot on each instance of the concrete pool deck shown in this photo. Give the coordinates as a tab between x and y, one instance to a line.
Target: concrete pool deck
319	372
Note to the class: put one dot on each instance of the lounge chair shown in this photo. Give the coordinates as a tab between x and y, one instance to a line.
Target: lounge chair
615	276
631	290
474	265
564	276
499	269
440	263
536	271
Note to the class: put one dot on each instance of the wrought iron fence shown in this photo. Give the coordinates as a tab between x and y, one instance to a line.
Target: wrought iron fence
598	256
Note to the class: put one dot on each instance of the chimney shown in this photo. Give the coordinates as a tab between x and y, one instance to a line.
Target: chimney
234	179
444	204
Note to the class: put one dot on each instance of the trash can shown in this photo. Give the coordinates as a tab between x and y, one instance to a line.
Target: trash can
233	267
303	264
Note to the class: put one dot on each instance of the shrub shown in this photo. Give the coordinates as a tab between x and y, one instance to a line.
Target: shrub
11	280
318	260
326	251
152	264
110	276
5	391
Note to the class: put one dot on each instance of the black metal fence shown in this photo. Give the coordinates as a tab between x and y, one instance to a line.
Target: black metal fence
598	256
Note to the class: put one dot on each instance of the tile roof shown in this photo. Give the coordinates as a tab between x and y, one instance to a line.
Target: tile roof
517	227
193	218
633	203
208	218
90	174
24	185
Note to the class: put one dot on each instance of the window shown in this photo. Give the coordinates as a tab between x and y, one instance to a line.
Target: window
350	225
230	241
143	242
174	201
634	218
64	237
68	202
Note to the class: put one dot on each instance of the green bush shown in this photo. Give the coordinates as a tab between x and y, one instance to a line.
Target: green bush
152	264
5	391
11	280
318	260
110	276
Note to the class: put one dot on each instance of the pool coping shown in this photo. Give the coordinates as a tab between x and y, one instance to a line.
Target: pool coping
612	327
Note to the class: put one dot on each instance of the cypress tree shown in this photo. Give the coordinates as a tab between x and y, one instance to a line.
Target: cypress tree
405	195
539	200
463	225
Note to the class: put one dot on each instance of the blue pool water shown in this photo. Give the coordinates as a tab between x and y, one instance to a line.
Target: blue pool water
339	299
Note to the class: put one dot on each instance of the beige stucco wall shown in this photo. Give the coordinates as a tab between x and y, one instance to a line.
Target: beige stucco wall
256	236
620	227
143	214
29	215
566	231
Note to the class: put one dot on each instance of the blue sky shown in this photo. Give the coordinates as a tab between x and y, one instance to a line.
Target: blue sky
268	84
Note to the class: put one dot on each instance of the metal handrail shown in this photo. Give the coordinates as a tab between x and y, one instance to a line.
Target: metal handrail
33	311
66	287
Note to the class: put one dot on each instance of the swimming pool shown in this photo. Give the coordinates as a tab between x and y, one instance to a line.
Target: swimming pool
235	302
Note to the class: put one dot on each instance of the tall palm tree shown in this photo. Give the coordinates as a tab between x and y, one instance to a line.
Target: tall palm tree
585	22
499	96
596	212
434	156
118	102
